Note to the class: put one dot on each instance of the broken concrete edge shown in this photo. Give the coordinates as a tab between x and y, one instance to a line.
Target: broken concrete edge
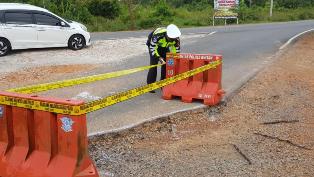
199	108
231	92
135	125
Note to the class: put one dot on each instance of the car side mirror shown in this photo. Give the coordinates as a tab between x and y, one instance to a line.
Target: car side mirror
62	24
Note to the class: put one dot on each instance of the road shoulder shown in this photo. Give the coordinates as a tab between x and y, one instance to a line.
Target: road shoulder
265	130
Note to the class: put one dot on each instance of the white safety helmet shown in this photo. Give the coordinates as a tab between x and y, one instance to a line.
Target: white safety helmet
173	31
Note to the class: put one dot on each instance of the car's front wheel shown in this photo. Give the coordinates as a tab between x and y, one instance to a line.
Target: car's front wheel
76	42
4	47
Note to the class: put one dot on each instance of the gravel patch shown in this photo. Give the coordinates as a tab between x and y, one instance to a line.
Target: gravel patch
29	67
100	52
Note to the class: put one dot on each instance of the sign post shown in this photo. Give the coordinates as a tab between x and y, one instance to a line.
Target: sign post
225	9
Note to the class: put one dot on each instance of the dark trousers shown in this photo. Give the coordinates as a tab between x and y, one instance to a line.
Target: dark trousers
152	73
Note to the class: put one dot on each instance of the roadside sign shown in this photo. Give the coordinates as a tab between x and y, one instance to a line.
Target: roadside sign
225	9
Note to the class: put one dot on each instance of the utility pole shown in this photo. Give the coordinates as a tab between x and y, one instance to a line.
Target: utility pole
271	8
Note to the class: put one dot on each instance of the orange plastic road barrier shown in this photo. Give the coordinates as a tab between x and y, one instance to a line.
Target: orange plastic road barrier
205	86
43	144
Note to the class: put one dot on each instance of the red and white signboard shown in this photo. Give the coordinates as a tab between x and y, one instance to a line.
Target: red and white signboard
226	4
226	8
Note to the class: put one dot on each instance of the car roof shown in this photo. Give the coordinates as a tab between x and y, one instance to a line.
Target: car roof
20	6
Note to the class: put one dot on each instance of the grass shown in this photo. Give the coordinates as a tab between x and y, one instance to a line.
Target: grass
147	18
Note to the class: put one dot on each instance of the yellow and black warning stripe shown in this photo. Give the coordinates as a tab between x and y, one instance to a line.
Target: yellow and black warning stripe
39	105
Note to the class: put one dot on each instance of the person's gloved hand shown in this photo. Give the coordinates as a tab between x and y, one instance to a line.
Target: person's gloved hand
162	60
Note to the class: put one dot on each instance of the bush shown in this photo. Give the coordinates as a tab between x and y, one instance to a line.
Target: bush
150	23
114	15
293	4
160	14
195	4
306	15
163	10
105	8
80	14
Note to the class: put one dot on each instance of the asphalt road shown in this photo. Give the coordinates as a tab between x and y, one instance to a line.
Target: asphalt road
245	49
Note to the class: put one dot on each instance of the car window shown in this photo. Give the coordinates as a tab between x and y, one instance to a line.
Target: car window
42	19
18	18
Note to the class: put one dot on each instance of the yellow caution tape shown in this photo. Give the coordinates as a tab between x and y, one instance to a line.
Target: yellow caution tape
123	96
104	102
40	105
77	81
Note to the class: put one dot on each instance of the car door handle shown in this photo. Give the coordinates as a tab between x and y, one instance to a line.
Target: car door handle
26	26
41	30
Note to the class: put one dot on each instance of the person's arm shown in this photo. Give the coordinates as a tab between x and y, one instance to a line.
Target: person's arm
153	48
175	48
178	46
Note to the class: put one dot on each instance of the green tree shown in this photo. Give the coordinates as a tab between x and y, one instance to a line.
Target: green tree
293	4
106	8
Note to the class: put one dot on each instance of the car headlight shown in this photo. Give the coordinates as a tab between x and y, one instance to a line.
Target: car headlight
83	27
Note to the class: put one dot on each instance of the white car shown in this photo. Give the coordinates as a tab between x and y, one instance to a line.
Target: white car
24	26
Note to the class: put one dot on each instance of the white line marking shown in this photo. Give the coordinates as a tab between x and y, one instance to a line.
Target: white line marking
212	33
293	38
204	33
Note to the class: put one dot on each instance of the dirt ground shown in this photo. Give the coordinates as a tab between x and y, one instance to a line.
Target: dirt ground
267	129
39	74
